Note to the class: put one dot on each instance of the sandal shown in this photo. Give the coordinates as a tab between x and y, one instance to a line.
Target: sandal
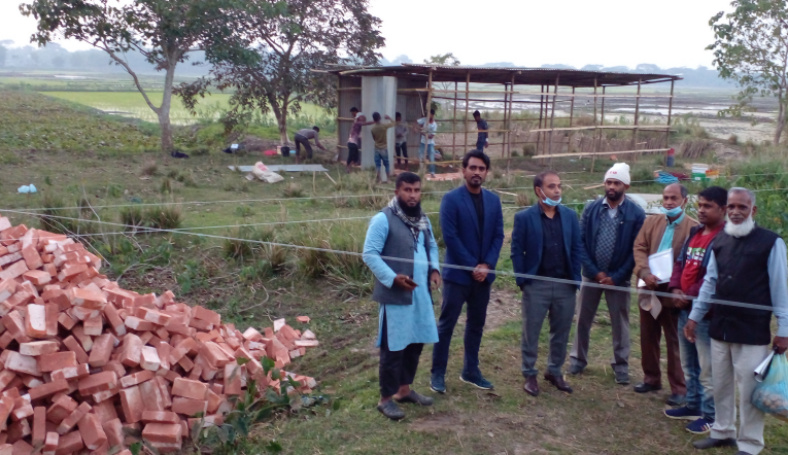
391	410
416	398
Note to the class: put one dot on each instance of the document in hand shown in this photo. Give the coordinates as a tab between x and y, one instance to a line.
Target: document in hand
661	265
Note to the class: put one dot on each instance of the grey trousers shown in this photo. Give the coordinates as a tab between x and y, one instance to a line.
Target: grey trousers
618	307
557	302
732	365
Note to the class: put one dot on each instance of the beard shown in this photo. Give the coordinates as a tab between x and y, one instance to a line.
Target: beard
739	230
613	195
412	212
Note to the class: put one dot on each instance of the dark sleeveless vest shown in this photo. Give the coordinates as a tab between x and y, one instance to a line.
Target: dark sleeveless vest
743	276
399	244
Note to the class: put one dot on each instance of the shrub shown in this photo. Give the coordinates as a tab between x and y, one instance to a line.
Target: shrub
164	217
292	189
132	217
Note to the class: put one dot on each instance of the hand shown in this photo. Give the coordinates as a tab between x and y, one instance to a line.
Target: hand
607	281
486	145
480	272
689	331
405	282
435	280
651	281
780	344
600	276
680	299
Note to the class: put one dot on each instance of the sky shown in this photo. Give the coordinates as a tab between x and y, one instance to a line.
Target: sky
668	33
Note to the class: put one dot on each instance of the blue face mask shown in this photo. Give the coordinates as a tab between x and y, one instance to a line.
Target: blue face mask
551	202
674	212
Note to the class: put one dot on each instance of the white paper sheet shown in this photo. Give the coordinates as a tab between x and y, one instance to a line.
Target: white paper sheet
661	265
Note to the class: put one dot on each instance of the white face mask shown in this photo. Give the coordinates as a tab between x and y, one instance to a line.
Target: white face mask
739	230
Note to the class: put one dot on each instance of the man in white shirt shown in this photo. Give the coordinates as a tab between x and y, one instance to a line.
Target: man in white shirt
428	128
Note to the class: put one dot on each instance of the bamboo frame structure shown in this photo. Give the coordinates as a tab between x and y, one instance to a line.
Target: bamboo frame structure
563	97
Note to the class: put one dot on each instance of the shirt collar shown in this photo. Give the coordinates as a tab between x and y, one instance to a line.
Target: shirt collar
606	203
677	220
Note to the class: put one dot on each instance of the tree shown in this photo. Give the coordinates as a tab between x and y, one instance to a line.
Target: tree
307	35
751	49
163	32
447	59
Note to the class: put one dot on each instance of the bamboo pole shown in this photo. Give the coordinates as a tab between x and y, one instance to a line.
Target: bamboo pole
601	127
637	118
505	118
598	138
548	93
552	119
670	112
617	152
453	125
509	133
572	107
427	121
467	106
339	130
539	135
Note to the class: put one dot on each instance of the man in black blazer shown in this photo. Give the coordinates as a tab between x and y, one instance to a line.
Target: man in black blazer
546	243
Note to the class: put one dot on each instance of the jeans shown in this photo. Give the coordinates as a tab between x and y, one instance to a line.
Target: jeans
556	301
480	144
382	155
454	295
696	363
430	155
402	148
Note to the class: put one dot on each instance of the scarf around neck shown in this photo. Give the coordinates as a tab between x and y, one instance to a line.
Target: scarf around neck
415	224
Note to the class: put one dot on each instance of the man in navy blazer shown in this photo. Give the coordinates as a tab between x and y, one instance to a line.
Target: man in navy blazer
546	243
472	223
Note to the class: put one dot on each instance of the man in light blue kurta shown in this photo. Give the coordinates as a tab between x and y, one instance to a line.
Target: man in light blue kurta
403	255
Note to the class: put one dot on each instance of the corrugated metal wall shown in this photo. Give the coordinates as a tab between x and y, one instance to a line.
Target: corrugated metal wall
349	96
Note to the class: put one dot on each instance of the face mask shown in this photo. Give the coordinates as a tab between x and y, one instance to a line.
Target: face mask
674	212
551	202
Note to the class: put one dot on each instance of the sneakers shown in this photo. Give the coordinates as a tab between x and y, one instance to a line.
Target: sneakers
479	382
683	413
437	383
622	377
700	426
575	369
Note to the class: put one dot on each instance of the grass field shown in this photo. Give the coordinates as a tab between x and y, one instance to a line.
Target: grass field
59	148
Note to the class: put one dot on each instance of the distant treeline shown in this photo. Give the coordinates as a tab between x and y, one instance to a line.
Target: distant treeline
55	57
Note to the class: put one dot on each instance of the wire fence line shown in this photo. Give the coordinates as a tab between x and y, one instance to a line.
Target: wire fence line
505	273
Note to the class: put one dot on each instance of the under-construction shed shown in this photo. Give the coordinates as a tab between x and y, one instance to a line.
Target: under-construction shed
537	112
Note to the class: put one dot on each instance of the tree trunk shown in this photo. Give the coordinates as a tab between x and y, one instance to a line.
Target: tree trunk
280	112
164	111
778	130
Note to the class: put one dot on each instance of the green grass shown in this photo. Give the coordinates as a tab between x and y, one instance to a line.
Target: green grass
263	282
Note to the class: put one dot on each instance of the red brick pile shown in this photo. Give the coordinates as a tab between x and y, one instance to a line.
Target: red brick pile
85	364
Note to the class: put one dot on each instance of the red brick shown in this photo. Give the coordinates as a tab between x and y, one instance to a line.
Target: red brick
51	442
130	350
79	371
131	404
69	443
164	437
21	447
6	406
93	326
154	398
31	257
102	349
18	430
149	358
114	431
303	319
39	425
57	361
61	408
114	320
105	410
188	406
160	417
22	364
116	366
136	378
73	345
139	325
153	316
84	340
306	343
69	422
205	314
14	270
92	434
98	382
189	389
37	348
48	389
52	313
37	277
66	321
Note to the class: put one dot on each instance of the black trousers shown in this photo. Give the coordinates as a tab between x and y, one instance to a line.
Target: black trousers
301	140
352	153
402	148
397	368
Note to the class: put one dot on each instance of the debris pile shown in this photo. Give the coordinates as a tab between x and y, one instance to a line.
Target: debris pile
85	363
